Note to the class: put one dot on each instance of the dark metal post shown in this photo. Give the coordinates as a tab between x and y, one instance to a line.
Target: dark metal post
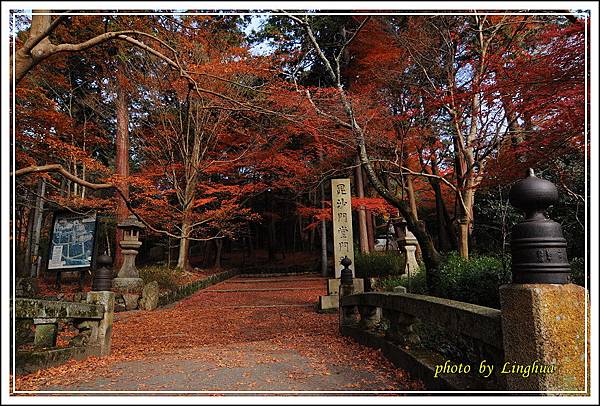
539	249
346	273
103	276
347	313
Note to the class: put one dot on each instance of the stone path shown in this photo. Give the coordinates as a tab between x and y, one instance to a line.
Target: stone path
242	335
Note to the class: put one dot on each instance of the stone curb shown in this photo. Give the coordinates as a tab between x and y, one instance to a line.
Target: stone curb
191	288
263	289
268	274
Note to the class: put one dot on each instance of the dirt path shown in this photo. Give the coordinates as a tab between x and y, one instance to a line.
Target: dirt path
243	334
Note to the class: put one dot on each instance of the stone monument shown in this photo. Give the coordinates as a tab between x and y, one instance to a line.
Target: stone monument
341	202
128	285
343	247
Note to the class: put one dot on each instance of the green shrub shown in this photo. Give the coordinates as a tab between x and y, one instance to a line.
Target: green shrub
578	271
378	264
475	280
415	284
166	278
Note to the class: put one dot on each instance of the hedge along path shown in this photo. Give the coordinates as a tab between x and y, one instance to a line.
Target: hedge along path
230	341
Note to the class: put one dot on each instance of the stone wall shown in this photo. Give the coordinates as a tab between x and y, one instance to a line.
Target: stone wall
537	342
37	323
388	321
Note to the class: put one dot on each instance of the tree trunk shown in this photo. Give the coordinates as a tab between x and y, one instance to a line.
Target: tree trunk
25	61
465	220
465	164
37	227
25	269
121	160
219	245
448	232
443	238
371	232
324	262
411	195
463	238
272	238
168	252
183	261
362	215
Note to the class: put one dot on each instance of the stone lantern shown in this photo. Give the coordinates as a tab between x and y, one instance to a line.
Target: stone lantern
408	242
128	282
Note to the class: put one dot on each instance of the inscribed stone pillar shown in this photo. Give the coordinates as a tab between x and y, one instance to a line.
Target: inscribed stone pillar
341	202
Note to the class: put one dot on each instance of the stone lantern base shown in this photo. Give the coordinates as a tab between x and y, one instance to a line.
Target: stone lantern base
127	292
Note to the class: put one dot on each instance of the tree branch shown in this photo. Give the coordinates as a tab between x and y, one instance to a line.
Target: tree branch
99	186
324	114
33	41
360	27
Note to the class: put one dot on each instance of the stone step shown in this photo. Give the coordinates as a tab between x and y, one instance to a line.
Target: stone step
267	280
274	274
261	306
257	290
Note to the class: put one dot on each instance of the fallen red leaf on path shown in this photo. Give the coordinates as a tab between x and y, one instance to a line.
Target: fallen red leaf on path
202	321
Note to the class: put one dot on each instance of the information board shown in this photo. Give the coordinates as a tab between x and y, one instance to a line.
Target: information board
72	243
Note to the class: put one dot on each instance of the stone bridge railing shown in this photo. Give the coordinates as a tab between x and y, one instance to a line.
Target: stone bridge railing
93	321
538	342
389	321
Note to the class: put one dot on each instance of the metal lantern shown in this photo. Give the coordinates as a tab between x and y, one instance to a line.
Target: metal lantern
539	249
103	275
346	273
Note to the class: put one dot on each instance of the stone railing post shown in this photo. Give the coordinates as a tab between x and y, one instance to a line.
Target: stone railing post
101	334
369	317
46	332
543	315
400	328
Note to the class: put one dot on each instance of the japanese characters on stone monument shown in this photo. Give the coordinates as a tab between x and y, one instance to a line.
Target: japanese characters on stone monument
342	223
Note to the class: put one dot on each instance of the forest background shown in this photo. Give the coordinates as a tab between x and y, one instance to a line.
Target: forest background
221	132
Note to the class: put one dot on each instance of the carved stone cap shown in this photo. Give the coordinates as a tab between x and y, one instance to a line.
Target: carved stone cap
131	222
